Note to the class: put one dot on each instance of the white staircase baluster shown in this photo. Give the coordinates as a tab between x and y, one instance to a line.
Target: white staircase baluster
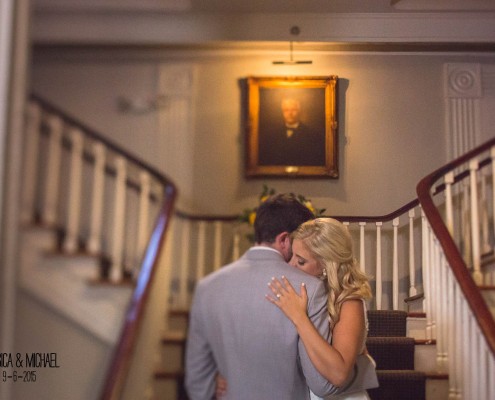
445	311
143	220
50	205
379	290
465	229
116	269
458	335
362	255
484	218
475	359
32	140
425	240
492	156
491	381
217	255
466	394
94	243
236	245
201	261
412	261
451	329
185	264
74	199
449	180
395	266
475	233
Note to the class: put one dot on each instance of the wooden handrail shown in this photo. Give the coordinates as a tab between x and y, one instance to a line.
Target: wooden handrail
120	365
100	138
459	268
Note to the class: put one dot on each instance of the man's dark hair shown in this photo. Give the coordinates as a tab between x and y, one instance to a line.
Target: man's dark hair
279	213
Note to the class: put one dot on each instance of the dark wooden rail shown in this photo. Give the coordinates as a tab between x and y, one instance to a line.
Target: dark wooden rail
120	365
118	370
459	268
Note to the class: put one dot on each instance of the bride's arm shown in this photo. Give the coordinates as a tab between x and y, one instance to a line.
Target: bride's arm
335	362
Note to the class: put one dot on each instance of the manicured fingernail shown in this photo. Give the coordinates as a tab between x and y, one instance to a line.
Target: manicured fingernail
303	284
283	276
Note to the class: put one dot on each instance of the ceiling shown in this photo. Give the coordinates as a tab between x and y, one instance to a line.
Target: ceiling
200	22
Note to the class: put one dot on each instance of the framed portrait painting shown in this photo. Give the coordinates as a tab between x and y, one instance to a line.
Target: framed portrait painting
292	127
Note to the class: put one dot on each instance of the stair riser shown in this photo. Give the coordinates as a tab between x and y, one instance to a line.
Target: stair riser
171	357
416	328
425	358
437	389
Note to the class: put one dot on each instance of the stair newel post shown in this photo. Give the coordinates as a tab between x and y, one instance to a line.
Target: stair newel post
476	260
379	265
395	265
362	255
184	264
116	269
217	255
94	242
50	205
412	261
31	157
200	271
74	199
143	220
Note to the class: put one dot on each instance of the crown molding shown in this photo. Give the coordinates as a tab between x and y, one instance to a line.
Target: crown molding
187	28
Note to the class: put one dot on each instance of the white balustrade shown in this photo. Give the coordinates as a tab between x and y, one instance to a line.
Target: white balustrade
395	266
217	255
98	190
475	222
31	160
185	263
116	269
201	263
412	263
362	254
74	198
143	220
379	287
52	181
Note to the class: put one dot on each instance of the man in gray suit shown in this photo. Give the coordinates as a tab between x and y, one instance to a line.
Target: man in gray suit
235	332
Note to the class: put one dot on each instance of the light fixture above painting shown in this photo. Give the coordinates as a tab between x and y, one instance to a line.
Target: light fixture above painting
294	31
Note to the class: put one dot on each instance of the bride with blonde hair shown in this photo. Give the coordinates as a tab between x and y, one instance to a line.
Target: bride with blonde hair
323	247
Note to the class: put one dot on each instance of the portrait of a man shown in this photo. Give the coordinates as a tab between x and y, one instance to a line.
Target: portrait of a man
288	140
292	127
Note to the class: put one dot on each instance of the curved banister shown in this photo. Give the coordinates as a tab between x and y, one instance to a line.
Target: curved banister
119	367
100	138
459	268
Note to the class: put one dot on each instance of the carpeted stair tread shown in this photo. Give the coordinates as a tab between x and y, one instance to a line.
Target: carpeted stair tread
392	353
400	385
387	323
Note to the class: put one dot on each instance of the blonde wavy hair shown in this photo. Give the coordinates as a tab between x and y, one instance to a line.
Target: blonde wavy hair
330	243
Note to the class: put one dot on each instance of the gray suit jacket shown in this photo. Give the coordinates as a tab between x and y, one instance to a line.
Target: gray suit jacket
235	331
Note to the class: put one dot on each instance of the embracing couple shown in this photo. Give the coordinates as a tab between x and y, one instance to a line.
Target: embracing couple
285	321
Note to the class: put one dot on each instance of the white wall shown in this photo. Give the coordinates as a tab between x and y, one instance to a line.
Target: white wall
391	119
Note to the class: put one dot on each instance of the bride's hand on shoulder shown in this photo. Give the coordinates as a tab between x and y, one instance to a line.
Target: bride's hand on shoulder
285	297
